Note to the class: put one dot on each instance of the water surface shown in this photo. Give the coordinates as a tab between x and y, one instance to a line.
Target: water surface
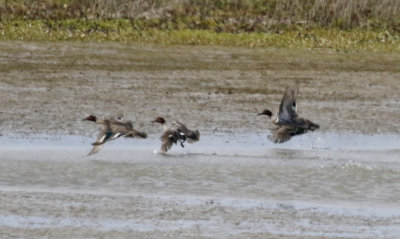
319	184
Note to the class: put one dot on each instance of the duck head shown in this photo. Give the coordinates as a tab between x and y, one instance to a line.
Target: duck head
160	120
266	112
91	118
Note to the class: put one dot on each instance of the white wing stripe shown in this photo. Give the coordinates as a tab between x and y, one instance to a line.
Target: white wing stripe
102	138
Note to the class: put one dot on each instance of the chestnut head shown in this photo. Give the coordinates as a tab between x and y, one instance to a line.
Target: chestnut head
266	112
91	118
160	120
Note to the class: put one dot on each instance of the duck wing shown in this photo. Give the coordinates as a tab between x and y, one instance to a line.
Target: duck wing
168	138
281	134
288	105
187	134
102	137
95	149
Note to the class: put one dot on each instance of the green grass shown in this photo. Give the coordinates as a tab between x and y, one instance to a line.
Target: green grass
231	15
342	25
133	31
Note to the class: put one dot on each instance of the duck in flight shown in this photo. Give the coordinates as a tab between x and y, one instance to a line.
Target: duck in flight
287	122
113	128
174	133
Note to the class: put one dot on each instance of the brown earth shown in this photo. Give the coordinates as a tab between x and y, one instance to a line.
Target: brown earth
48	87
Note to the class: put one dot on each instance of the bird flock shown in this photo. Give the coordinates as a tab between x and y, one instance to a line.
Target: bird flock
287	123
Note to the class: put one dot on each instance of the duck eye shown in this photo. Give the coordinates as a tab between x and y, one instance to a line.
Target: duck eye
294	105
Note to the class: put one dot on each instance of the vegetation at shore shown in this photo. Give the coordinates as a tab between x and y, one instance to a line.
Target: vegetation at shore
342	25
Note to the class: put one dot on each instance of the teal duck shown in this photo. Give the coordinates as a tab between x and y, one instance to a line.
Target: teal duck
287	122
174	133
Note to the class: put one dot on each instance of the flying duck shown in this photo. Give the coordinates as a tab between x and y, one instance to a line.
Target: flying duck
287	122
113	128
176	132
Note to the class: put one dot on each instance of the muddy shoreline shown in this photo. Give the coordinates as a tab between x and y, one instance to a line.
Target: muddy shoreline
49	87
338	182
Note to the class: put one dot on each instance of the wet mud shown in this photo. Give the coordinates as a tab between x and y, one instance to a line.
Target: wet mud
49	87
338	182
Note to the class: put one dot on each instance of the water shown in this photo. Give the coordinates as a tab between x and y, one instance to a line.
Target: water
234	183
225	186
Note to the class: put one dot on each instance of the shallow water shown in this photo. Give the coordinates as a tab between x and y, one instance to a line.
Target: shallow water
234	183
225	186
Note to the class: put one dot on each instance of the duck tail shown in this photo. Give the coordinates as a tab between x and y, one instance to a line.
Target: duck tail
142	135
193	136
312	126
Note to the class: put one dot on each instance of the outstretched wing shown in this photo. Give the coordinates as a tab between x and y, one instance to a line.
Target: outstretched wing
102	138
288	105
281	134
95	149
168	138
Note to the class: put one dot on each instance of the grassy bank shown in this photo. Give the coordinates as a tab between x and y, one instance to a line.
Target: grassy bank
128	31
342	25
221	15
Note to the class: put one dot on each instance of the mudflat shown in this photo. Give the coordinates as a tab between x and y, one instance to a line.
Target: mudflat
339	182
47	87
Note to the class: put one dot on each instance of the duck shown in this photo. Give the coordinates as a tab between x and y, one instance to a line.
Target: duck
95	119
113	128
287	121
174	133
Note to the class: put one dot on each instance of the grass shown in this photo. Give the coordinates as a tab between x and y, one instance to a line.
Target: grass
127	31
342	25
226	15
